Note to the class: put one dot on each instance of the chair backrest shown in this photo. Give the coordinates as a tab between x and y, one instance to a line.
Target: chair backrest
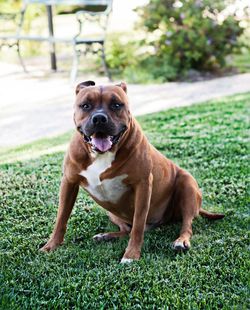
70	2
96	14
92	6
84	10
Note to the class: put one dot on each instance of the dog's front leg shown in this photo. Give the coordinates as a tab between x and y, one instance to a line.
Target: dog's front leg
68	194
143	192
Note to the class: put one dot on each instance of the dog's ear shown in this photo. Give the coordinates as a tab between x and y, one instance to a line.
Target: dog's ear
83	85
123	86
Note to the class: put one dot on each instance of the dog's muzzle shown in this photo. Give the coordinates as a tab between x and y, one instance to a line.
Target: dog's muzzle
101	133
99	119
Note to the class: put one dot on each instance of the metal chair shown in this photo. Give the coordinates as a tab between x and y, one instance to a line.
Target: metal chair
94	43
10	37
88	11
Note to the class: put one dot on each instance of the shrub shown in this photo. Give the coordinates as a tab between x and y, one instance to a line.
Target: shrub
131	60
121	53
189	34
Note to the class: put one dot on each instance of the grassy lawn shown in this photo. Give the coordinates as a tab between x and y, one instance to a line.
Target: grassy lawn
240	61
210	140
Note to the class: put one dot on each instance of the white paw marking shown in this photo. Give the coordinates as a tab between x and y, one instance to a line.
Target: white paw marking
126	260
179	245
98	237
109	190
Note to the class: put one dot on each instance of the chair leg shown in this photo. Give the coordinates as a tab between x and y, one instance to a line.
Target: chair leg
75	62
104	63
20	57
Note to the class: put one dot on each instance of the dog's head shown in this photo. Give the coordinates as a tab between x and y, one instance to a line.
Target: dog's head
101	114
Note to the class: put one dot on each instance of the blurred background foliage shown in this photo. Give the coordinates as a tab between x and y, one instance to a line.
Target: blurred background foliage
173	40
185	39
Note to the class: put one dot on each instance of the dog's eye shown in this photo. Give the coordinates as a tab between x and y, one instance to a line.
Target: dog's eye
116	106
85	106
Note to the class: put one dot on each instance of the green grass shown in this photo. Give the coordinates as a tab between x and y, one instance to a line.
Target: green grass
35	149
210	140
241	61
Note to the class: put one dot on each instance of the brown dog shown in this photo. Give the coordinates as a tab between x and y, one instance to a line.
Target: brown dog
110	157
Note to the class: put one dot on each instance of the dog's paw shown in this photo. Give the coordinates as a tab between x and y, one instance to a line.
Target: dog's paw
102	237
130	255
126	260
181	244
50	246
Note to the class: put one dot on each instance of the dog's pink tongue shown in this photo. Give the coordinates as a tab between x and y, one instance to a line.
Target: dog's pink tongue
102	144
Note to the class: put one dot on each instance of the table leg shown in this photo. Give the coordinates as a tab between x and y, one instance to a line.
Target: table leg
51	34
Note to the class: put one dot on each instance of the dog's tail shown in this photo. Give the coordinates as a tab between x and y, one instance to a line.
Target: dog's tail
209	215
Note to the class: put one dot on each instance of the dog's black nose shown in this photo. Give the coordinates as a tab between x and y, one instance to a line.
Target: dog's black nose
99	119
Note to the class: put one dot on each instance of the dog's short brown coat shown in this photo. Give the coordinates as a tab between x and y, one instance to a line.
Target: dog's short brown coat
147	189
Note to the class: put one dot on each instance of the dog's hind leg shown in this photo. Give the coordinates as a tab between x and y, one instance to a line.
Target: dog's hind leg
124	230
187	202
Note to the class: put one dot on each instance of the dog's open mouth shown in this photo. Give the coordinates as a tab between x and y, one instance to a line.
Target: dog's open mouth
101	142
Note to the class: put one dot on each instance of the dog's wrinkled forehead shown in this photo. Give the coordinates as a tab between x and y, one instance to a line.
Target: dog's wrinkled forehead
89	90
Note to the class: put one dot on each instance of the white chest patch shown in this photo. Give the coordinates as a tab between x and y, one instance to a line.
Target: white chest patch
109	190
